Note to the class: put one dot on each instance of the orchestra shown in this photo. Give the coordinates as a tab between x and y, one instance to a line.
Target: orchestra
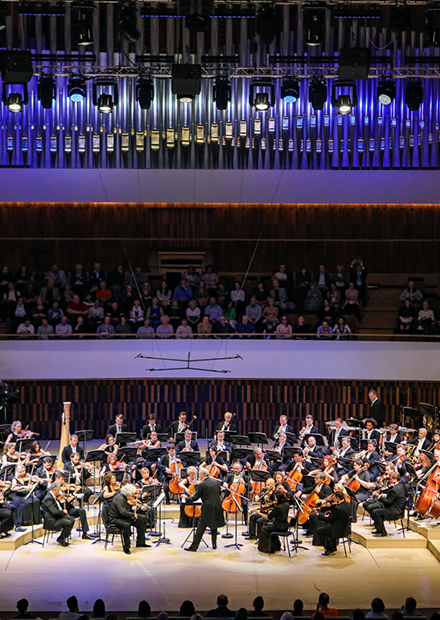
377	469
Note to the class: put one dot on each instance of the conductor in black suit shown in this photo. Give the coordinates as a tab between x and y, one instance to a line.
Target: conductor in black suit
212	512
72	448
55	517
335	523
392	507
118	426
376	408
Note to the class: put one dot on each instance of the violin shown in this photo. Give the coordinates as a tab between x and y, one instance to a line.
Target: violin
233	503
27	434
327	503
264	507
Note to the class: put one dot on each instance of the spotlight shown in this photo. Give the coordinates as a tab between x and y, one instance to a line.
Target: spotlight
386	91
197	13
317	94
222	93
290	90
314	25
105	101
344	101
127	21
46	92
15	101
197	23
260	98
82	22
76	89
186	81
414	95
267	24
145	93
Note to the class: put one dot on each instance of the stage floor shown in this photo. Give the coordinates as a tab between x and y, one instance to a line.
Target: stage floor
166	575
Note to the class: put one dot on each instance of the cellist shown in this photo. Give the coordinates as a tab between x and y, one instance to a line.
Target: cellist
359	474
235	478
320	491
215	464
190	481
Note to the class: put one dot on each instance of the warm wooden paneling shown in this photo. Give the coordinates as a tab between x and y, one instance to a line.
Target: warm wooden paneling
257	403
389	238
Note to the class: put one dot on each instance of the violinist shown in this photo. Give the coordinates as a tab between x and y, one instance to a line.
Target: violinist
122	516
67	499
335	522
110	487
282	485
400	462
112	465
109	446
227	424
214	461
35	453
145	496
72	448
145	480
219	443
56	516
380	484
11	456
435	440
389	506
22	484
151	426
17	433
282	427
187	445
79	473
45	473
7	515
328	468
178	426
256	517
277	522
359	474
235	478
190	480
211	514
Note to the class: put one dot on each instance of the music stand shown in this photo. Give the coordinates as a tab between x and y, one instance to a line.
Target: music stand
258	438
413	414
161	437
290	451
193	527
320	440
178	437
21	445
240	440
5	429
380	466
241	453
273	455
154	454
154	490
190	458
94	456
98	501
292	438
123	438
162	539
259	475
8	470
84	436
228	435
31	495
355	423
390	446
129	453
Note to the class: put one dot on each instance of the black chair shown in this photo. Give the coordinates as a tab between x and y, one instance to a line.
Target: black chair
47	529
400	518
284	537
110	530
346	540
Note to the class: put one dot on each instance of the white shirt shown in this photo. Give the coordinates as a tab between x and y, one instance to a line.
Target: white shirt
393	438
419	446
181	427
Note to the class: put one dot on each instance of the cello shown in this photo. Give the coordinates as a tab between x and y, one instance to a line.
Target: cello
192	511
256	487
294	477
308	506
233	503
428	501
174	485
353	484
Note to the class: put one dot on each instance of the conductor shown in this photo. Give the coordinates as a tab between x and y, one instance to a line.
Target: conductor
212	512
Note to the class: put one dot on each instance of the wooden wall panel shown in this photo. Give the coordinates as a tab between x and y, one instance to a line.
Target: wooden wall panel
390	238
257	403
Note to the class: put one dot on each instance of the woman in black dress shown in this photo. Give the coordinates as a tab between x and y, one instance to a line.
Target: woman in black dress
278	522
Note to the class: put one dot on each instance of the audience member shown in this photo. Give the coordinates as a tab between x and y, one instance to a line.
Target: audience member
322	279
407	314
258	605
323	607
73	613
279	295
210	278
193	314
144	609
409	609
98	609
222	610
22	606
351	305
284	329
412	294
50	292
63	327
358	275
238	298
26	329
165	330
106	329
341	329
298	607
324	331
377	609
244	328
241	614
155	312
187	609
183	292
313	300
163	294
136	314
45	330
213	310
144	331
184	330
222	329
205	327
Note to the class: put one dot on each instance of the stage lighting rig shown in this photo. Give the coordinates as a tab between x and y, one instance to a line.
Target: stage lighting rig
262	95
314	24
290	90
318	94
386	91
145	93
46	91
16	70
414	95
346	100
105	101
76	89
222	93
186	81
82	22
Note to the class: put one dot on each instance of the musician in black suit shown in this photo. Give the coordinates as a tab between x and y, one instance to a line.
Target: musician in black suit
311	447
278	522
164	469
178	426
212	513
342	466
122	516
150	426
257	461
55	516
400	462
337	435
283	426
72	448
118	427
370	459
421	442
376	408
393	503
227	424
187	445
323	491
73	511
46	478
394	437
219	443
309	428
79	474
335	521
233	479
371	432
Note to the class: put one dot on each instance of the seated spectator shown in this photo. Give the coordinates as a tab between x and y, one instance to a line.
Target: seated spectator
213	310
191	275
270	312
284	329
19	314
106	329
377	609
413	294
302	285
222	610
175	313
334	296
280	296
358	275
96	314
238	298
193	314
57	275
202	295
313	300
29	293
114	312
9	301
155	312
351	305
124	327
136	315
244	328
184	330
80	327
146	295
104	293
144	609
98	609
323	607
117	281
55	313
409	609
253	310
138	277
205	327
210	278
39	312
183	292
76	309
241	614
269	332
73	613
67	294
222	329
78	281
163	294
187	609
301	328
230	315
298	607
22	606
50	292
288	616
341	329
358	614
258	605
26	328
22	278
261	294
426	319
281	276
324	331
323	280
340	280
327	313
127	298
165	330
222	295
45	330
96	275
63	328
407	314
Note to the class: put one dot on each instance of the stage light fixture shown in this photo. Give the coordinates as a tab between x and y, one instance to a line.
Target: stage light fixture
127	21
197	23
318	94
46	92
16	70
314	25
222	93
262	94
104	100
414	95
344	101
15	100
145	93
76	89
267	24
186	81
386	91
82	22
290	90
197	14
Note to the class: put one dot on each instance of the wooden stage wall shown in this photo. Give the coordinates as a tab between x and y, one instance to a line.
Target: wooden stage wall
258	403
390	238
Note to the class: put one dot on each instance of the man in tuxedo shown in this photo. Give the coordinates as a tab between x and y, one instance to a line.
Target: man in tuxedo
118	426
345	453
371	432
96	275
233	479
376	408
187	445
395	436
72	511
257	459
337	435
335	523
72	448
45	476
151	425
421	442
228	424
371	457
79	475
122	516
283	427
219	443
55	516
312	447
309	428
178	426
212	513
393	503
164	469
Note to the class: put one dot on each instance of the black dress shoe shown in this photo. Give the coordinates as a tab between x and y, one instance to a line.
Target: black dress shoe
189	549
214	546
380	534
144	545
127	551
62	542
87	537
250	538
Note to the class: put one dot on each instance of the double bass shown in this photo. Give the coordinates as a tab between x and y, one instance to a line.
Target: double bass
428	501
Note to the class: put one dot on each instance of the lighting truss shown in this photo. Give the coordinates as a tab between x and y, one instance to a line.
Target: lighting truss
188	362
